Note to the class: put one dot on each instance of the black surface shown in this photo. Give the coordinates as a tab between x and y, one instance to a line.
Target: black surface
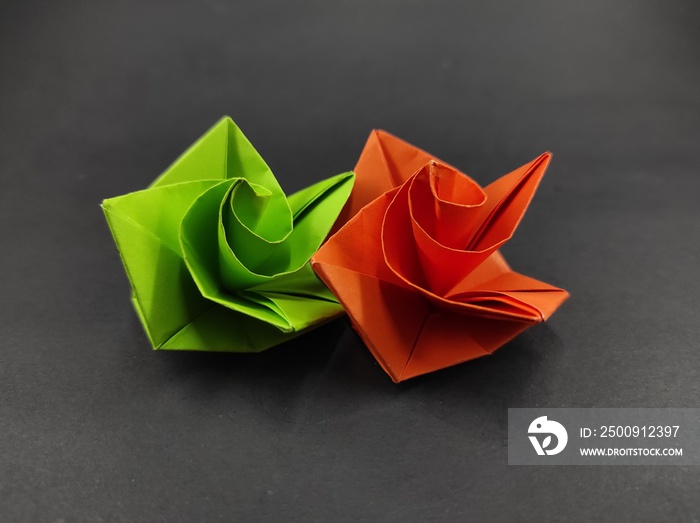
97	98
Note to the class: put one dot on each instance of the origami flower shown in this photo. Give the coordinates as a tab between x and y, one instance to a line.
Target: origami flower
217	255
417	266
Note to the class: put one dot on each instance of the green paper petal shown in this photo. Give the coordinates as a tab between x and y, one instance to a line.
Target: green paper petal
223	330
222	152
165	296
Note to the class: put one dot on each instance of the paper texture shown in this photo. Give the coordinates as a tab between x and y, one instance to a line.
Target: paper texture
417	265
217	255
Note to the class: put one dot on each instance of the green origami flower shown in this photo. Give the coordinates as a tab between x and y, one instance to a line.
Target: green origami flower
218	256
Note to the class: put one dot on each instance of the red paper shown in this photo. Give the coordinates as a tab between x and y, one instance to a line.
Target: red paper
417	266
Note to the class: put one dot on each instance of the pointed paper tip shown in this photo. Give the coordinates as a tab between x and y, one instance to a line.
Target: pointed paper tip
545	158
226	121
380	134
539	165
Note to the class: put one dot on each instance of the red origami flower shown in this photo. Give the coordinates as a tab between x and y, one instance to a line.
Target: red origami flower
417	266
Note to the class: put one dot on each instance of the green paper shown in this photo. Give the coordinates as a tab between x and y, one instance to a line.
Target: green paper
218	256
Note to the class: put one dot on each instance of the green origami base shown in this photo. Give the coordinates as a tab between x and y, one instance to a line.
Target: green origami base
218	256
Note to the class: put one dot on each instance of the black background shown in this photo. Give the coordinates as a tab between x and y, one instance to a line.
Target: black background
97	98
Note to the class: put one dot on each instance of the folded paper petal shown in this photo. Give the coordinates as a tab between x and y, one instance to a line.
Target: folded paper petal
218	256
418	268
386	162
